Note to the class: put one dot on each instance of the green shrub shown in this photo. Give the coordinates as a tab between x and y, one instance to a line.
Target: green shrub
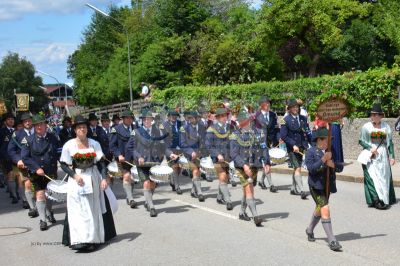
361	88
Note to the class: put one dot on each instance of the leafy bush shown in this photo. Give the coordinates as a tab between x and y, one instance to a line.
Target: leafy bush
360	88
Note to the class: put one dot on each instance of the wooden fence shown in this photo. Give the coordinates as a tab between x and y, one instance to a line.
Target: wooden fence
114	109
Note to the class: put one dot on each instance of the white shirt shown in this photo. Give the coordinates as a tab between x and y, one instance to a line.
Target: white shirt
265	114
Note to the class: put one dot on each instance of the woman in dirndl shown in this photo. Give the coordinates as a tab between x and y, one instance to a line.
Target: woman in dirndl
376	137
89	221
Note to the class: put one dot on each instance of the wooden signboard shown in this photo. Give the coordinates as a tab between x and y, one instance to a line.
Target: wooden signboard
3	108
332	110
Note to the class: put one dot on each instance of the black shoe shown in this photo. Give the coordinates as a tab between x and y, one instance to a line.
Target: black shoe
173	187
153	212
273	189
81	246
257	221
201	198
381	206
51	218
185	172
33	213
233	184
132	204
178	191
146	206
43	226
335	246
91	247
310	236
193	194
229	206
209	179
262	185
304	195
14	200
244	217
292	192
221	201
25	204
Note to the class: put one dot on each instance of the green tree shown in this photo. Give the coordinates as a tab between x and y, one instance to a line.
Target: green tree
315	26
19	74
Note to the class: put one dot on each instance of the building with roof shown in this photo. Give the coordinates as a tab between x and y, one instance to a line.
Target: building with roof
60	95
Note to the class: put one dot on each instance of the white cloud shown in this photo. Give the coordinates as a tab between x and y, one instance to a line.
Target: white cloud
14	9
49	53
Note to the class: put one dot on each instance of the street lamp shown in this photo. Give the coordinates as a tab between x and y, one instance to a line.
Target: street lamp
129	52
59	85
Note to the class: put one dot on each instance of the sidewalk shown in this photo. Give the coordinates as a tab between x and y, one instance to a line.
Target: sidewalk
352	172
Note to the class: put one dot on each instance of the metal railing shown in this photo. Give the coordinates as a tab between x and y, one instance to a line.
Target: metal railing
114	109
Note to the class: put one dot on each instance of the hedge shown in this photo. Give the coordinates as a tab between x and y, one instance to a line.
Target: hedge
361	88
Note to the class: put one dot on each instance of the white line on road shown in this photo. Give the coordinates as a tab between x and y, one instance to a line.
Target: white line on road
207	209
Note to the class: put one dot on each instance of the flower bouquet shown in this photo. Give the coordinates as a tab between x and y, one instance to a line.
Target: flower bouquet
83	160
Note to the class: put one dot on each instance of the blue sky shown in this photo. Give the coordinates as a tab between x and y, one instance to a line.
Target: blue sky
47	31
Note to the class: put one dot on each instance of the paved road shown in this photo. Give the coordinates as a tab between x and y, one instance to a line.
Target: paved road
187	232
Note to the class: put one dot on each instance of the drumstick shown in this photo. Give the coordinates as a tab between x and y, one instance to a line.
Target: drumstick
48	177
65	177
179	155
129	163
302	154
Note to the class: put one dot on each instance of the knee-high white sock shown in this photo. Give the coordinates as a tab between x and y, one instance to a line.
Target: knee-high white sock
30	199
41	207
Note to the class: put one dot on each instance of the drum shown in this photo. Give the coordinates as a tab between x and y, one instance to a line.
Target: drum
277	156
184	163
207	167
232	174
113	169
135	174
160	173
57	190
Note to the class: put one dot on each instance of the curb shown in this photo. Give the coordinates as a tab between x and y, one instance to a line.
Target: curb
339	176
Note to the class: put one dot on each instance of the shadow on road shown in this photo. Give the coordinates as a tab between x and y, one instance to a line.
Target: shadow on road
274	216
175	209
352	236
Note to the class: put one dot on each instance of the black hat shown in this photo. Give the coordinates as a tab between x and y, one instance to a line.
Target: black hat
321	132
79	120
292	102
264	99
243	115
67	118
25	116
8	115
173	112
115	117
127	113
377	109
146	113
193	113
38	118
221	111
105	116
92	116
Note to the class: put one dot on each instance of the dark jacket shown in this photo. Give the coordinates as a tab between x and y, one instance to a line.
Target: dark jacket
119	137
293	133
41	153
173	133
65	135
15	145
249	148
217	141
317	170
5	138
101	137
192	140
151	148
270	127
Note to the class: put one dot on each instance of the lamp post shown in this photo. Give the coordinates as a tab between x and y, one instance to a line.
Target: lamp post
59	85
129	52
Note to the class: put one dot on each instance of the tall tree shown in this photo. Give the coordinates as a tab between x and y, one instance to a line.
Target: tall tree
314	26
19	74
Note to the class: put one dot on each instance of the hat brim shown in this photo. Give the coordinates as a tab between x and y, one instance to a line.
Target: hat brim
39	122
